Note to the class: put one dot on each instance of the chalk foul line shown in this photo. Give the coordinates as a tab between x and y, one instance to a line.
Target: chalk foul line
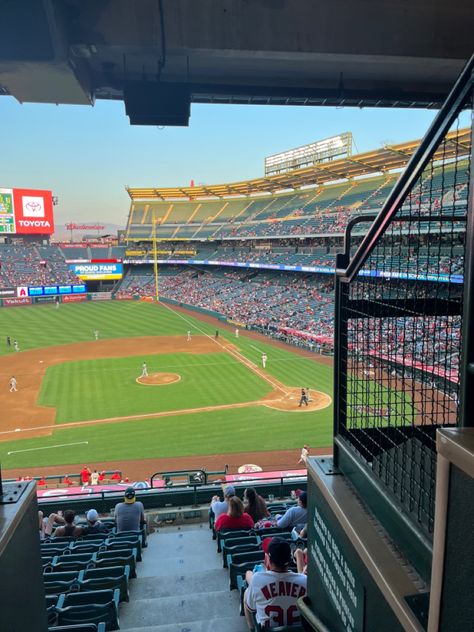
49	447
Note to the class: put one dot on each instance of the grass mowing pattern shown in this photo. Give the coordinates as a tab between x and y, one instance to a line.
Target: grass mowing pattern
240	430
44	325
97	389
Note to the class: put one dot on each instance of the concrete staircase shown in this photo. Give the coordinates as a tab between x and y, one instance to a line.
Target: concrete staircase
181	586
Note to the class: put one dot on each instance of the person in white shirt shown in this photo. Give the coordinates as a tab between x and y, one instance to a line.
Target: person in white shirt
236	333
13	388
188	337
273	592
264	360
144	370
95	477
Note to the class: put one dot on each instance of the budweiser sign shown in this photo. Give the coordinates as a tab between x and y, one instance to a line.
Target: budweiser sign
73	226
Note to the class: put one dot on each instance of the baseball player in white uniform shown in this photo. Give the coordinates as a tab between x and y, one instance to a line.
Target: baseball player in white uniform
236	333
264	360
16	346
96	334
13	388
189	336
144	370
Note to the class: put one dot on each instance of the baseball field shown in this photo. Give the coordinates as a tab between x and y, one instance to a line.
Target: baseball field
81	400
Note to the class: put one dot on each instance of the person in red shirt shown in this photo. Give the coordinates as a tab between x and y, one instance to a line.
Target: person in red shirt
102	476
85	475
67	480
235	518
116	476
42	481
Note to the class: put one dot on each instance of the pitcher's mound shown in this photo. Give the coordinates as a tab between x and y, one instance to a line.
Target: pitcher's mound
159	379
290	399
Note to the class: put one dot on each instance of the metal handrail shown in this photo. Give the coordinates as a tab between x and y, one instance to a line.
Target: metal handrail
432	139
108	493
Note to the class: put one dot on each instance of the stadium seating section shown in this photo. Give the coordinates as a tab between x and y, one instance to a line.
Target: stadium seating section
321	211
86	578
22	265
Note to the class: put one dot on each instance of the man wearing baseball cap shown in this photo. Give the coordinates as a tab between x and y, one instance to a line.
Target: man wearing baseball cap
94	525
272	593
219	506
129	515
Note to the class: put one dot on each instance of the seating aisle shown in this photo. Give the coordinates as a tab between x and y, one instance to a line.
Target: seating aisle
182	586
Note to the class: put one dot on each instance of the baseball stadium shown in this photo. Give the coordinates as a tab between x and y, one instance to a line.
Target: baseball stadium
182	269
292	350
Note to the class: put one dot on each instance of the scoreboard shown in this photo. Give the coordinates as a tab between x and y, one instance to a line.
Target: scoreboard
7	216
308	155
26	212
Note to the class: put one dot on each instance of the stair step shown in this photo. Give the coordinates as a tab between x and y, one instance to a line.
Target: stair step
181	584
145	613
229	624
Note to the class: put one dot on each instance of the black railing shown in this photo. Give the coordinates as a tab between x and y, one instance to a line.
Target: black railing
399	326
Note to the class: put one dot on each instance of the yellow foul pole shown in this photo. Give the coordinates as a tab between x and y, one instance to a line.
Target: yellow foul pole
155	259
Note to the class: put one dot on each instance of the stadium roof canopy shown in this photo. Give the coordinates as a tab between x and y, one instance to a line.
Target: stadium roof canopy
388	158
161	55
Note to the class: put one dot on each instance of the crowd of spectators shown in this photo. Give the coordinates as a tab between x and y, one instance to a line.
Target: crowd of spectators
32	265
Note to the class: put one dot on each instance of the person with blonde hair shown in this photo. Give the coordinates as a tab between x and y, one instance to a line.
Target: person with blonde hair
235	518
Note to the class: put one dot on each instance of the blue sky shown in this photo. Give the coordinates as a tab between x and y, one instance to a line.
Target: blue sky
87	155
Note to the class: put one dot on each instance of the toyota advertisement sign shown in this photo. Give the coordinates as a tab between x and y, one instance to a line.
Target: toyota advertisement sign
26	212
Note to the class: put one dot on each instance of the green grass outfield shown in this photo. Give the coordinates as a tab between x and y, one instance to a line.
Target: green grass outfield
98	389
106	387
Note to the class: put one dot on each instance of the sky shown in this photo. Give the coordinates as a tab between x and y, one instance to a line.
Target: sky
87	155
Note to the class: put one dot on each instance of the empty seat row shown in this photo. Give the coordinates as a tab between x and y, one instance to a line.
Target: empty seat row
108	577
98	606
93	545
83	561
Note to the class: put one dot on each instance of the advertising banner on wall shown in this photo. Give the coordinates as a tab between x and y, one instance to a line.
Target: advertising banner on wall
97	271
12	302
100	296
74	298
7	291
45	299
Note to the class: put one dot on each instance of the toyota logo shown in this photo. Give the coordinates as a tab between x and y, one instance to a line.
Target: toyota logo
33	207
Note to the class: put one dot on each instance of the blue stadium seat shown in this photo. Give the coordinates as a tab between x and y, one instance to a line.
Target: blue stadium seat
81	627
121	557
89	607
240	563
108	577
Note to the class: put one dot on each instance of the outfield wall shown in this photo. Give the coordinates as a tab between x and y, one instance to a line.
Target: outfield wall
18	301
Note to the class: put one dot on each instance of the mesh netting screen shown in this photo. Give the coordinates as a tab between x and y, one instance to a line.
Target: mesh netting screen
403	318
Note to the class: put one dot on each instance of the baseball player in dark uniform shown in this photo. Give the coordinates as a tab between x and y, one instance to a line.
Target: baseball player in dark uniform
303	398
